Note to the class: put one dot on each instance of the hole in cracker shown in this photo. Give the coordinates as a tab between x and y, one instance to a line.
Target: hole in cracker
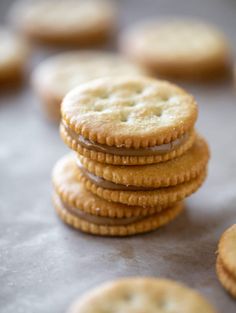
131	104
127	297
123	119
104	96
158	112
161	304
139	91
165	98
98	108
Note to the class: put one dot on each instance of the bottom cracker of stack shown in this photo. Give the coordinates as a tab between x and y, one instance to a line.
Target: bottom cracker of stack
83	210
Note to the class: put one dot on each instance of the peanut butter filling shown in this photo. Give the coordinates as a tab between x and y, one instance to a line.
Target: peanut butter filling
100	220
101	182
155	150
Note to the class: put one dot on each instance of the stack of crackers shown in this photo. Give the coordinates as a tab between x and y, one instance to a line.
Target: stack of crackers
137	155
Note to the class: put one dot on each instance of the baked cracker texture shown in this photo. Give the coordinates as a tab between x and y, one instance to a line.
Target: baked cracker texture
137	156
14	52
186	49
64	22
142	294
176	171
162	196
109	158
54	77
73	192
226	260
129	112
147	224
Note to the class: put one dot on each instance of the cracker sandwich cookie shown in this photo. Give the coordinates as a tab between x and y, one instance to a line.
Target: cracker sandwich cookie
186	49
147	185
226	260
56	76
128	120
64	22
138	155
13	55
142	294
83	210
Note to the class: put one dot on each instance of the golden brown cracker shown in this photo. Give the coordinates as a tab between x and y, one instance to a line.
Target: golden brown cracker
176	171
147	224
129	112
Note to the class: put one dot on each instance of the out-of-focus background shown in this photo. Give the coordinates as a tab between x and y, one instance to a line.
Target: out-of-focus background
44	265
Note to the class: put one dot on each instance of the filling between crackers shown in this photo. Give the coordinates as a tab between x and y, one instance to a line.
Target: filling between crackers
101	182
149	151
101	220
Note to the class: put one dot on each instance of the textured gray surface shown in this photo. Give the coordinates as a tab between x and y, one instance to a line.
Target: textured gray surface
44	264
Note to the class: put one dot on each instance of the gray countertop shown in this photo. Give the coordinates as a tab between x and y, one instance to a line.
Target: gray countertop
44	264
